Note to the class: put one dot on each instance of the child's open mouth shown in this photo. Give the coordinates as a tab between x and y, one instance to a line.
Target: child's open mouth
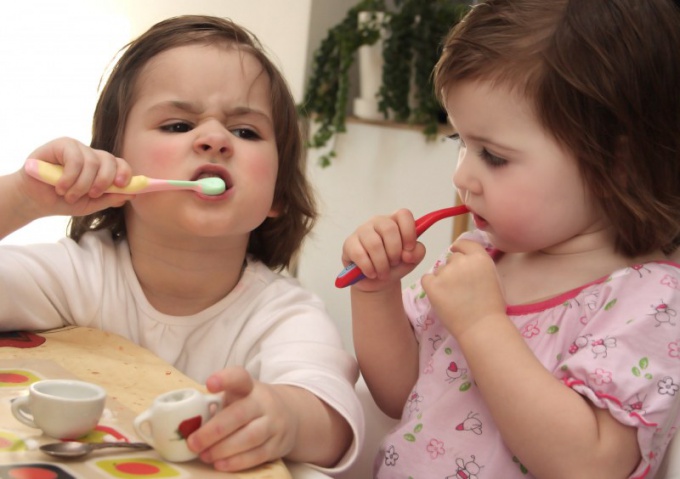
479	221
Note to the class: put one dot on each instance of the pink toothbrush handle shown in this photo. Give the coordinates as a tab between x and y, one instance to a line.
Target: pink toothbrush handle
352	274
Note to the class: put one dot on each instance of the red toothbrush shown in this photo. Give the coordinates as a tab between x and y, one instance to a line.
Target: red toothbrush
352	274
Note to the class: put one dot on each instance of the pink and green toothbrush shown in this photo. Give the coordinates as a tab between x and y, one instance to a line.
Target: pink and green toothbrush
50	173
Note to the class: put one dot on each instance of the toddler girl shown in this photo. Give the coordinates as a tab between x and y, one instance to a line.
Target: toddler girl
546	343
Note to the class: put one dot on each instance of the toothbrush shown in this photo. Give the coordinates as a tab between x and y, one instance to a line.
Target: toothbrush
352	274
50	173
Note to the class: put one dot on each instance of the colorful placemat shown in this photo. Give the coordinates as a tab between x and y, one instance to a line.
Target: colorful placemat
20	457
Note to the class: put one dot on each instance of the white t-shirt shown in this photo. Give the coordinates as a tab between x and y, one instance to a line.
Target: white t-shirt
268	324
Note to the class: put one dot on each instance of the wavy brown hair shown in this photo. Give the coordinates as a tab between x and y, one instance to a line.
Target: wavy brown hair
276	241
603	78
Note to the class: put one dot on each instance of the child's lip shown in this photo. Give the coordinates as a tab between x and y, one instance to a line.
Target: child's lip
479	221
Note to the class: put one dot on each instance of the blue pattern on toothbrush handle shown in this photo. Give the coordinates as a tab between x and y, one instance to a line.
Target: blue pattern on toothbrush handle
348	276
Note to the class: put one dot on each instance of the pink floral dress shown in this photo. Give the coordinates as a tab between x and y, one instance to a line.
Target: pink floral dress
615	341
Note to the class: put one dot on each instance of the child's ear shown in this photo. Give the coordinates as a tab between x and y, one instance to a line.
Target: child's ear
274	212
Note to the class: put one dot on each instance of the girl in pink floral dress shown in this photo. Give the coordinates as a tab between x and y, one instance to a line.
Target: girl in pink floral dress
546	342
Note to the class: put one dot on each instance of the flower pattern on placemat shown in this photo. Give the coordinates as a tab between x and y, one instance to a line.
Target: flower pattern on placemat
20	339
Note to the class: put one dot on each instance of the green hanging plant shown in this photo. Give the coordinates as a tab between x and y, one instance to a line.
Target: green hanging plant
327	92
414	32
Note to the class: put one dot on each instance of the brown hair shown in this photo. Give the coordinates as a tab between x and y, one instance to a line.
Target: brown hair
276	241
603	77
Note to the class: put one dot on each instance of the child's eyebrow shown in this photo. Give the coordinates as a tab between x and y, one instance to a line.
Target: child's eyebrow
187	106
491	142
195	108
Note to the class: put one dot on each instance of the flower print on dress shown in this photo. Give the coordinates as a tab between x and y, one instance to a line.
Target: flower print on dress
530	329
471	423
670	281
435	448
674	349
667	386
391	456
663	314
601	377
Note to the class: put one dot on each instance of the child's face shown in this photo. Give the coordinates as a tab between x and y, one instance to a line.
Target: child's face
523	188
202	109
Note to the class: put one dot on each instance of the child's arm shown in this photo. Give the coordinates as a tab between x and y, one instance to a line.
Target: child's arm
554	431
262	422
87	173
385	248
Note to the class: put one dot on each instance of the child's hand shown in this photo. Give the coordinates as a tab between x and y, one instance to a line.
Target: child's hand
87	173
466	289
385	249
254	426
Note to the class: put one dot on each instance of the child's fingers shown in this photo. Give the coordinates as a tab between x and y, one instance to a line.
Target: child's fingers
378	245
86	171
466	247
235	382
96	171
123	173
382	245
407	228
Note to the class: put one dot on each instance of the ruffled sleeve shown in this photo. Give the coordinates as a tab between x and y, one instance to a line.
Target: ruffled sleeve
627	358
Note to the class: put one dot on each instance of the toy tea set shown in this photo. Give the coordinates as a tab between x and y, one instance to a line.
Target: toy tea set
68	409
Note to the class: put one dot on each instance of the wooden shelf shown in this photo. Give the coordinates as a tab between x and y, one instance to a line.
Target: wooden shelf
442	130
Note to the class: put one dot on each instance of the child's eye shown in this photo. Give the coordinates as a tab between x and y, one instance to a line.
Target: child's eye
245	133
492	160
456	137
177	127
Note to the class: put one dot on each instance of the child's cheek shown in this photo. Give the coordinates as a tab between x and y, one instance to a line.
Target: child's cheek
157	160
263	170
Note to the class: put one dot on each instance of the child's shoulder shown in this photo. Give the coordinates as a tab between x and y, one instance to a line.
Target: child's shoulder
639	289
661	274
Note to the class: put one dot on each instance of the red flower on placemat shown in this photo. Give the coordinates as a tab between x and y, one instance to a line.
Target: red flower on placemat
188	426
20	339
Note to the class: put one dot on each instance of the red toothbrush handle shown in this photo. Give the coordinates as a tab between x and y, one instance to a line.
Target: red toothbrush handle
425	221
352	274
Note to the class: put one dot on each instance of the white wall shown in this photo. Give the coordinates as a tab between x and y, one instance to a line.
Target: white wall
377	171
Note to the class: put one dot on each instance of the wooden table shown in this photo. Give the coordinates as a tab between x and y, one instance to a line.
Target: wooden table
132	376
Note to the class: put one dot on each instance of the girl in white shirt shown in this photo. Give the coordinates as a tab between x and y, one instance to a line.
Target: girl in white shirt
189	276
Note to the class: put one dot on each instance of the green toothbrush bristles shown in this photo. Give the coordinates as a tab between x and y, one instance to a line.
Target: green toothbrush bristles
212	186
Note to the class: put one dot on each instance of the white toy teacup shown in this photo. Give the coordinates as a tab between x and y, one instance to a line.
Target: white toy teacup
172	417
62	408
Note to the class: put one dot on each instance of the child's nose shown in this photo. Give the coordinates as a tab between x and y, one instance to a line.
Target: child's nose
213	140
464	178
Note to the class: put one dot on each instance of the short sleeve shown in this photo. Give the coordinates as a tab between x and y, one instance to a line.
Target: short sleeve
627	357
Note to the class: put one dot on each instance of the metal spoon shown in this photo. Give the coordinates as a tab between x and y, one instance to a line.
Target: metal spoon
73	449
